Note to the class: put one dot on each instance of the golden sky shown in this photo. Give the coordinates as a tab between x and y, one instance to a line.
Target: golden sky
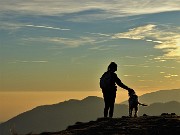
65	47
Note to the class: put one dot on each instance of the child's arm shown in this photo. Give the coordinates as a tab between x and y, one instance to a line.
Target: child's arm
142	104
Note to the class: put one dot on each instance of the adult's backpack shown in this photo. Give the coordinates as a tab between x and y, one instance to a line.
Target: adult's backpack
106	80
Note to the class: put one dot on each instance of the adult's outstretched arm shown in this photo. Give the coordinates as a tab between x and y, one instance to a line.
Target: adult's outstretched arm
122	85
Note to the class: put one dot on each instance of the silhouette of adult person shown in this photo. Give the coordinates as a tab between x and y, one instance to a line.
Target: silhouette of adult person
108	83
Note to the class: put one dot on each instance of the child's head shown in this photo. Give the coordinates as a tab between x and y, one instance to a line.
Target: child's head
131	93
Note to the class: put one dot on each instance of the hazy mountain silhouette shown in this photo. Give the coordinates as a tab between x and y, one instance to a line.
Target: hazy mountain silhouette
55	117
58	116
159	96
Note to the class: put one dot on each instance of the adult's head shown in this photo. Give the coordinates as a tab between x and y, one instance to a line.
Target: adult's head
112	67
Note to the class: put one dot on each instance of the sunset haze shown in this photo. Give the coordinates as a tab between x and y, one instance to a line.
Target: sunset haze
57	48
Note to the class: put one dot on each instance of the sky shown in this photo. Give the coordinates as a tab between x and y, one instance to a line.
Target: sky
66	45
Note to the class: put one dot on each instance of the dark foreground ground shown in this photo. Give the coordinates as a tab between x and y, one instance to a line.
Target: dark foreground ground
144	125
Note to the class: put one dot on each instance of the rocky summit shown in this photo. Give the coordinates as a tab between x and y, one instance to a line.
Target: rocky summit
144	125
166	124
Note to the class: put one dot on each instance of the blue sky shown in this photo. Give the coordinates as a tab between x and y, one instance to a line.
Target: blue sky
55	50
63	45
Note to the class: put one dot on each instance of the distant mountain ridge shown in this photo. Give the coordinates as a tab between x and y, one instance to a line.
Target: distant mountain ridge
56	117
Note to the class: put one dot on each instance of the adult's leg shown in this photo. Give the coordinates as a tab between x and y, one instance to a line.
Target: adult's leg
107	104
112	101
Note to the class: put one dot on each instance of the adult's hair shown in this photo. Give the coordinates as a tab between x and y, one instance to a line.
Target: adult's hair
112	66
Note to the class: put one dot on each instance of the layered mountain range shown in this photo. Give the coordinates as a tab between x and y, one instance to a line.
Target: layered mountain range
57	117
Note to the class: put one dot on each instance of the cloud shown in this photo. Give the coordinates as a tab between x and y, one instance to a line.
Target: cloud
162	72
46	27
171	75
100	34
100	48
149	40
145	80
73	42
130	57
39	61
105	9
26	61
9	26
136	33
160	42
68	42
127	75
93	39
14	26
166	38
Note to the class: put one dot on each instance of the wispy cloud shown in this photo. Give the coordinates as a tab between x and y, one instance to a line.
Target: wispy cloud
108	9
27	61
171	75
100	48
9	26
130	57
149	40
127	75
39	61
166	37
68	42
100	34
162	72
136	33
14	26
46	27
145	80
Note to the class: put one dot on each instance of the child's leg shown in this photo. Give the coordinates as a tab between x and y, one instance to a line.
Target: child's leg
130	111
136	110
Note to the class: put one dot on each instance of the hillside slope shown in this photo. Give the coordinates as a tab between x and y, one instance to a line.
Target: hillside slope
168	124
57	117
150	125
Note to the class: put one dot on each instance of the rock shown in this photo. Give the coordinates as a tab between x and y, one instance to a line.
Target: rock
144	125
145	115
149	125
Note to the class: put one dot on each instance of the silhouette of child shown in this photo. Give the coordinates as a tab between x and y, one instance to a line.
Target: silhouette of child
133	103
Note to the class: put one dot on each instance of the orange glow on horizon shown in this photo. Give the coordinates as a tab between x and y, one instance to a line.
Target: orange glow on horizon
14	103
